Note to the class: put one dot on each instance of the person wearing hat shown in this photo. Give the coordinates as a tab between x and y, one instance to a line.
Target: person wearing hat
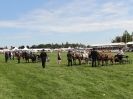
43	56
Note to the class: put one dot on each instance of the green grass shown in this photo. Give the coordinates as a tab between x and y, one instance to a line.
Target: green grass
31	81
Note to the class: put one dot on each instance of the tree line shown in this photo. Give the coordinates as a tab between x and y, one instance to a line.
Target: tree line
126	37
53	46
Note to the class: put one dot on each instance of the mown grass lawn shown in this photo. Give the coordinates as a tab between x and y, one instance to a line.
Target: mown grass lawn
31	81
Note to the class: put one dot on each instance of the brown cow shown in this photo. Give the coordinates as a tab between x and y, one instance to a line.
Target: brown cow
105	57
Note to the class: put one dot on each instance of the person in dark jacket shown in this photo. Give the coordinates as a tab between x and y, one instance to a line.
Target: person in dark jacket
43	57
69	58
6	56
18	57
94	56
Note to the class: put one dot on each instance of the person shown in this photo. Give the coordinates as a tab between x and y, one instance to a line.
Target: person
94	57
18	56
69	58
43	57
13	55
58	57
120	54
6	56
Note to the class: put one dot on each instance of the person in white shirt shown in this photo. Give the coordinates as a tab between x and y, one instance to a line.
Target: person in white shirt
120	55
120	52
59	57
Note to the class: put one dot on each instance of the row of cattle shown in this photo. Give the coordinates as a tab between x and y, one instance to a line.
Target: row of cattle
27	56
103	58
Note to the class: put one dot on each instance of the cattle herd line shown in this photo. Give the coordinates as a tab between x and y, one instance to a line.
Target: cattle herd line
97	58
93	57
24	55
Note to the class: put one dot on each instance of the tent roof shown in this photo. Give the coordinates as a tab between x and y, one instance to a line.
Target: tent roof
109	44
130	43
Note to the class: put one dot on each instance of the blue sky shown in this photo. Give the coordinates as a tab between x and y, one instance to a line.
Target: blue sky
28	22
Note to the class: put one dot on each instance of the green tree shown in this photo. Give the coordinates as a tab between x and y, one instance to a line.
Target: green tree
117	39
126	37
21	47
27	46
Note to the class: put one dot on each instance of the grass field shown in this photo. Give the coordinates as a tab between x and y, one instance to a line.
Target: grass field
31	81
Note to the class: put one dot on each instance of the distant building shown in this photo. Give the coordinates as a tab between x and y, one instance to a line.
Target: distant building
110	46
130	46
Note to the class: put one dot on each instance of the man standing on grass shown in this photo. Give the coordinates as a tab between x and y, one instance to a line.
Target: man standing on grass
58	57
94	56
6	56
120	54
69	58
18	57
43	56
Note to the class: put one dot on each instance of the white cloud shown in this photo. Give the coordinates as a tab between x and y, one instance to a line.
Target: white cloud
76	16
16	36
